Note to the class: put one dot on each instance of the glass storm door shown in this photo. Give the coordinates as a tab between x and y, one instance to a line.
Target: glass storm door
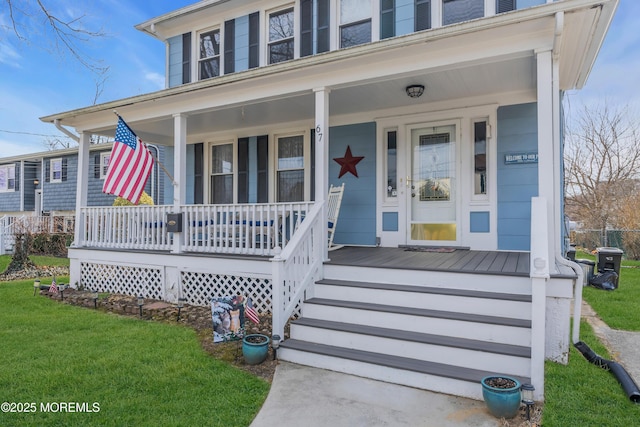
432	185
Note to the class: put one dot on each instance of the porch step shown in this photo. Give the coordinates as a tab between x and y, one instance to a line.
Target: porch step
439	338
468	301
489	356
439	377
439	322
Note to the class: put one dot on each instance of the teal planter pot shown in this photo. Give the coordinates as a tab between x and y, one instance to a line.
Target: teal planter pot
501	402
255	348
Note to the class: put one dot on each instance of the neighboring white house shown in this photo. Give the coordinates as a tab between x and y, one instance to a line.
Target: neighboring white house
442	118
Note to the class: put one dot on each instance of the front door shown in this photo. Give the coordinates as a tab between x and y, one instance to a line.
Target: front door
433	205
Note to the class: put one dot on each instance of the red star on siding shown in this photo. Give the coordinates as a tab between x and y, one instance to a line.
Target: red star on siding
348	163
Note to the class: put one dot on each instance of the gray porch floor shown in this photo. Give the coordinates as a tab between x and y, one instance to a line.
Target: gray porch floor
458	260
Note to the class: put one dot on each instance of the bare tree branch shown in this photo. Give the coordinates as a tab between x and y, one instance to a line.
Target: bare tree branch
602	164
66	35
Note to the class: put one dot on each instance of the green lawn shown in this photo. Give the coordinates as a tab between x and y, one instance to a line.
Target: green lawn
619	308
581	394
138	373
5	260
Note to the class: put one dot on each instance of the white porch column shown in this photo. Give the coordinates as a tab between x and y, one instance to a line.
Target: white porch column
322	153
82	185
546	183
180	171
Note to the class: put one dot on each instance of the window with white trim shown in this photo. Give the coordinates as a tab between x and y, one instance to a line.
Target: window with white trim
104	164
221	174
56	170
7	178
480	158
290	169
281	36
355	22
454	11
209	57
391	158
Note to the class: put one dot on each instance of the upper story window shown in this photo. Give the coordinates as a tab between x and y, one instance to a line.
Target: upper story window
454	11
281	36
56	170
355	22
7	178
209	59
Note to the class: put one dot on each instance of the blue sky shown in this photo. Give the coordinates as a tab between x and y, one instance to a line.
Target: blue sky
35	82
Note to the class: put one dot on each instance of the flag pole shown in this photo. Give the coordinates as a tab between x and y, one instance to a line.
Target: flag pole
155	159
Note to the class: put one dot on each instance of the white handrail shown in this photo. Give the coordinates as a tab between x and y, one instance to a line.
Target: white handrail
297	267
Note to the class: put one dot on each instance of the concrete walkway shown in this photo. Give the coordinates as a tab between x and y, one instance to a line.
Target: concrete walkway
301	396
623	346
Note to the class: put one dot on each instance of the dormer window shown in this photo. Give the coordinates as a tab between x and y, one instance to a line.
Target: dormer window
209	60
281	36
355	22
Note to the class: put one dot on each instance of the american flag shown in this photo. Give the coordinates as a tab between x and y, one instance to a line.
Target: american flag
250	312
129	165
53	288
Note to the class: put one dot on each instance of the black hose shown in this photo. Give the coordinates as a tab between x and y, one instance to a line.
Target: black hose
623	377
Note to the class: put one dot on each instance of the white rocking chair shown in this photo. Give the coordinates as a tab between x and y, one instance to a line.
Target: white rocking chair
334	200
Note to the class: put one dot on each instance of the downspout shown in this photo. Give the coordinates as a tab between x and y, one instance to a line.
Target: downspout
66	131
559	257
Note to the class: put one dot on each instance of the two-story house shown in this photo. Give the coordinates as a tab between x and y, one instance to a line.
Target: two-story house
442	118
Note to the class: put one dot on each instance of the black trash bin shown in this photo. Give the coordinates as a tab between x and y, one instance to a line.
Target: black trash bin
588	270
609	259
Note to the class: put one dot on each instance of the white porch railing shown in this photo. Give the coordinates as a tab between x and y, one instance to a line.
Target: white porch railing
254	229
297	267
249	229
10	225
126	227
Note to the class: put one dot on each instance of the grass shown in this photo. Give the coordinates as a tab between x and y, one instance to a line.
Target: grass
138	372
5	260
581	394
619	308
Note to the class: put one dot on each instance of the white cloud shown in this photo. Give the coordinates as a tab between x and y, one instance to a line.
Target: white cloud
9	56
155	78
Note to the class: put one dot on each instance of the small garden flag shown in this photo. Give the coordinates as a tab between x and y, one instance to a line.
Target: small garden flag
53	288
251	312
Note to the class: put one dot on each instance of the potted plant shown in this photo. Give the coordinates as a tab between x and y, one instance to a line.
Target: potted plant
501	393
255	348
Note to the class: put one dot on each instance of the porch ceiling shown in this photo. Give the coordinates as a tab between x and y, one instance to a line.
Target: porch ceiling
478	59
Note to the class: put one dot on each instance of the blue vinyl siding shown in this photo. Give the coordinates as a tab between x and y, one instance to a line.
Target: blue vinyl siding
404	17
357	219
61	196
480	222
517	183
242	43
175	61
389	221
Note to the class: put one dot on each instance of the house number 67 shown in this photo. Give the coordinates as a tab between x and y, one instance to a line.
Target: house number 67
319	133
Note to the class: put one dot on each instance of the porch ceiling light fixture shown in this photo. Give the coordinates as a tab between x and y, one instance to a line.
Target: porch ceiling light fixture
415	91
527	398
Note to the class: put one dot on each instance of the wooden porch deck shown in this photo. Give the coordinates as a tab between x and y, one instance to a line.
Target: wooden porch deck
458	260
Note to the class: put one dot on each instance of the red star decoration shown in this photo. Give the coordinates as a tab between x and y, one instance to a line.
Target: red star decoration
348	163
